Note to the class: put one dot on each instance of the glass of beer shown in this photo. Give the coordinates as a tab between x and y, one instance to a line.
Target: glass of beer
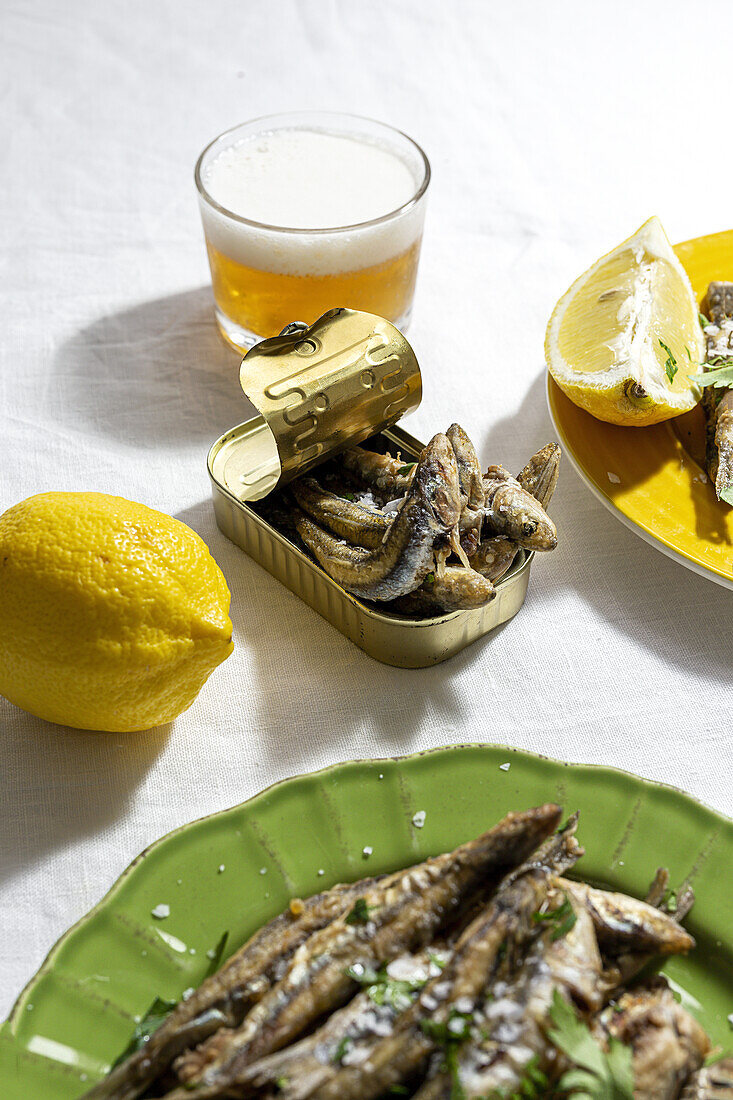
306	211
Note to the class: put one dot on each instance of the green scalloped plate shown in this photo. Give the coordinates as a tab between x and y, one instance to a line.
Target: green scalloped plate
235	870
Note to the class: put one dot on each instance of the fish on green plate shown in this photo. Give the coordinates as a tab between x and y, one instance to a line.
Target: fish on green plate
197	895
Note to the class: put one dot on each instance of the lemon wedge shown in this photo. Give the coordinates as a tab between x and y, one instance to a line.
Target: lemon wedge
624	340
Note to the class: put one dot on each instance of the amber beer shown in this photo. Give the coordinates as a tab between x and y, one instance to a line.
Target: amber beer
265	301
305	212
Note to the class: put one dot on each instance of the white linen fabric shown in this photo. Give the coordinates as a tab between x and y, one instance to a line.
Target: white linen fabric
554	130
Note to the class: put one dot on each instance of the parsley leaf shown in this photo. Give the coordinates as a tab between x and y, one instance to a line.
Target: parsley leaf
360	913
596	1074
670	365
384	990
348	496
341	1049
719	374
704	321
216	956
159	1011
564	918
405	469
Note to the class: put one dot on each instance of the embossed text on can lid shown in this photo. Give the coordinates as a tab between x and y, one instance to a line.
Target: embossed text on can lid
321	388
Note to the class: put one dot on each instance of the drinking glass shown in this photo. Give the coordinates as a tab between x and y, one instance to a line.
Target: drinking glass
289	168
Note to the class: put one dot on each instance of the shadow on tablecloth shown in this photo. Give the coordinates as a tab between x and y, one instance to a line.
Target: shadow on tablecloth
58	784
152	375
308	684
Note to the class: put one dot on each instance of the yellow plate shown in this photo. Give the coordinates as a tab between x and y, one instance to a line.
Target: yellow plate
653	479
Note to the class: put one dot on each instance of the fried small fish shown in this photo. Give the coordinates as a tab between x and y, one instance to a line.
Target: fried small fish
455	589
428	513
499	932
509	1031
539	476
224	999
713	1082
389	476
349	520
667	1044
402	912
469	468
510	510
626	924
718	403
494	557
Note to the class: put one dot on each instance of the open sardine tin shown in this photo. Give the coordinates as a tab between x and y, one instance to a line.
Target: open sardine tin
317	390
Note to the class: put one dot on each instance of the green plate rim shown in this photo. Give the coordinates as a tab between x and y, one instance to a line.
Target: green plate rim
722	819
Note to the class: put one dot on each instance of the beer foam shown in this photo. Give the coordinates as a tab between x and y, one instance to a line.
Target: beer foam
306	180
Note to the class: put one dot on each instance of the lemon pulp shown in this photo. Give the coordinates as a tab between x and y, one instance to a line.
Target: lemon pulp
624	340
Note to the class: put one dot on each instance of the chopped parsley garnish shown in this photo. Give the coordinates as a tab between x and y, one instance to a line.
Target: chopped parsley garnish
405	469
670	365
436	960
360	913
161	1008
669	901
704	321
449	1035
430	578
216	956
596	1074
398	1090
348	496
563	917
341	1049
384	990
159	1011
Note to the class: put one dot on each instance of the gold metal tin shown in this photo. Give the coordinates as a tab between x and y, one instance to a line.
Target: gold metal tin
392	639
321	388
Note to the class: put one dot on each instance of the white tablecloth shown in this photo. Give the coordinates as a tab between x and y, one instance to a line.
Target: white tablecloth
554	130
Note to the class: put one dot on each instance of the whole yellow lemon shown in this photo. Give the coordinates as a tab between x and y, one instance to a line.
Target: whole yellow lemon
112	615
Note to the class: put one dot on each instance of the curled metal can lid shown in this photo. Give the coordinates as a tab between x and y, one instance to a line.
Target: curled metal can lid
330	385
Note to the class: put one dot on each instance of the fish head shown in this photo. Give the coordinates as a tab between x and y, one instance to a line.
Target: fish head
436	479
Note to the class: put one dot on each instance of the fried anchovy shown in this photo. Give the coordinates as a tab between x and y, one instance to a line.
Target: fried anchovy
625	924
224	999
467	536
469	468
349	520
509	1031
711	1083
348	1035
492	941
429	512
558	853
494	557
513	1025
667	1044
718	403
510	510
539	476
389	476
402	912
455	589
